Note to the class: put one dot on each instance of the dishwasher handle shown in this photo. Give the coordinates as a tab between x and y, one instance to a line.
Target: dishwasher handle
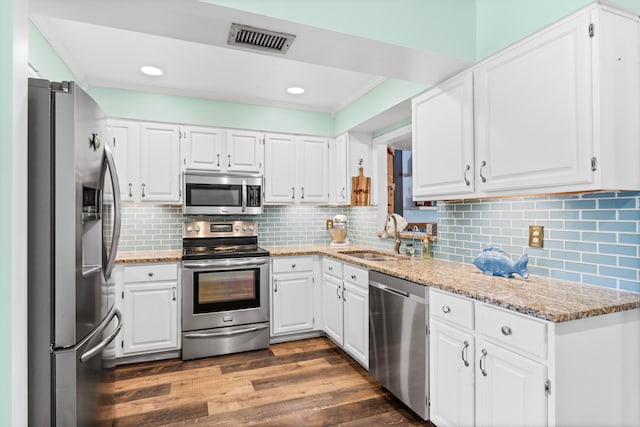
388	289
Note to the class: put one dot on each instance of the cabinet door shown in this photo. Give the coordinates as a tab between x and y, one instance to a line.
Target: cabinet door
124	138
203	148
510	389
332	310
313	169
280	169
338	174
442	142
533	112
245	151
151	313
356	322
159	163
451	369
292	303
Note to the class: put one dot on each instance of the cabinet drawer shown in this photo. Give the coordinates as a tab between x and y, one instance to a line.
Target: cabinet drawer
151	273
355	275
524	333
292	264
452	308
332	267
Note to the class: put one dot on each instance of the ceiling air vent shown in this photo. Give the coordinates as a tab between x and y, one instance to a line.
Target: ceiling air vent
260	39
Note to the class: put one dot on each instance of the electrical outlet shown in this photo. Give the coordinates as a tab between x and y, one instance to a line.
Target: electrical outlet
536	236
329	224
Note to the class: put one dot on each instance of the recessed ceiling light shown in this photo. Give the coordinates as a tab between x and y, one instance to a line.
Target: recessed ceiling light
295	90
151	71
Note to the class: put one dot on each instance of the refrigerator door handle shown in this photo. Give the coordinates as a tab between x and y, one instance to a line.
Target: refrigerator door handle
89	354
117	214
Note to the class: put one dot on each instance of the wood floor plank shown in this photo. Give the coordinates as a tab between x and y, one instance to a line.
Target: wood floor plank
302	383
164	416
141	393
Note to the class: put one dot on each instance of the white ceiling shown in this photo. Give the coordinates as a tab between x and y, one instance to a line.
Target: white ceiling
105	45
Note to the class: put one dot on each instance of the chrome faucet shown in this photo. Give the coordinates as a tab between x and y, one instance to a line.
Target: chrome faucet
385	235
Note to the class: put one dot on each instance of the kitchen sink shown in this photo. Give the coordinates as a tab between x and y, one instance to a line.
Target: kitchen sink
370	255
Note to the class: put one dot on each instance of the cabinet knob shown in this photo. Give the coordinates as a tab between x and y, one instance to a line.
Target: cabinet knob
466	180
506	330
446	309
482	358
150	274
330	269
130	192
293	266
275	285
174	293
482	165
353	277
463	353
143	193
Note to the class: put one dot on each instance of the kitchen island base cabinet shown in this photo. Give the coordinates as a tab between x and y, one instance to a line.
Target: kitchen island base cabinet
528	371
148	297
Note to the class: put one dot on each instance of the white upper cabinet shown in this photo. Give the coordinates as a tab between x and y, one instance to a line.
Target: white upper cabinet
124	139
533	112
296	169
203	148
147	159
245	151
442	145
556	112
159	163
222	150
339	182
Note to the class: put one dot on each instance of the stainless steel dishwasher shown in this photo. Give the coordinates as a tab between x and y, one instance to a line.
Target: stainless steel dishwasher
398	344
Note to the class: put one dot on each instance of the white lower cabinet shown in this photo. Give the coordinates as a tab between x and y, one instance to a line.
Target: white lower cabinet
491	366
451	360
292	295
509	388
148	298
345	308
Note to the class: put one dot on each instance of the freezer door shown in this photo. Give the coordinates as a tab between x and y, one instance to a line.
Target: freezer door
85	382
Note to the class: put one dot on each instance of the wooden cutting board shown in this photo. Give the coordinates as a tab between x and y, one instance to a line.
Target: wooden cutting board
360	189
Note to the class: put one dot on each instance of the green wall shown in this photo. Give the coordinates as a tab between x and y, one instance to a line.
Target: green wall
502	22
159	107
443	26
6	142
381	98
44	59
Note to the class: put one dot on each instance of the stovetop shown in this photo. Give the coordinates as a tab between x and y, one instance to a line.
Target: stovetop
220	240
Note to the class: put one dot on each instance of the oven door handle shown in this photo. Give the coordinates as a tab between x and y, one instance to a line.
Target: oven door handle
244	196
223	334
225	263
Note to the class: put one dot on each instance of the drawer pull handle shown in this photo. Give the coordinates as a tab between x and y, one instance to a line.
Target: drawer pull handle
464	352
483	357
174	293
275	285
446	309
506	331
330	268
338	292
353	277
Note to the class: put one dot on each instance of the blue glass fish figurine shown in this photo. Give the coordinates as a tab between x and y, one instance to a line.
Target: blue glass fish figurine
494	261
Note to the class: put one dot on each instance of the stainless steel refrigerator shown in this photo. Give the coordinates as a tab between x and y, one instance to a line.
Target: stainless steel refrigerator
73	230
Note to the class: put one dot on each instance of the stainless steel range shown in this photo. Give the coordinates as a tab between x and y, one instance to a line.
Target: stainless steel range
225	290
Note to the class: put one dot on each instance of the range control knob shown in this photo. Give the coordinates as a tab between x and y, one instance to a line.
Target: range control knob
197	228
244	228
237	227
189	229
251	227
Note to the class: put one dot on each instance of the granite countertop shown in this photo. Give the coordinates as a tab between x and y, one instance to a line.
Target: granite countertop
126	257
541	297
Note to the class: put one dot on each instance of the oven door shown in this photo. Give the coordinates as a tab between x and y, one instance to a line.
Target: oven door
224	292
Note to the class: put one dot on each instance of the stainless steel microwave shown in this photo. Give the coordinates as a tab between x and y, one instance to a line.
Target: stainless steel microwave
218	194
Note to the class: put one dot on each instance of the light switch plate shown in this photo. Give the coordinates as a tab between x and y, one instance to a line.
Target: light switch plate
536	236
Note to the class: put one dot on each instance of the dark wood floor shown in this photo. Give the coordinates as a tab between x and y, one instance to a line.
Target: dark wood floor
300	383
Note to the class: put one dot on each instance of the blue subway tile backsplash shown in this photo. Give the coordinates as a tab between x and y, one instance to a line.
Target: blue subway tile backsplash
591	238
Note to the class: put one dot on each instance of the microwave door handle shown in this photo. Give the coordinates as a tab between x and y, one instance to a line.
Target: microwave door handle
244	196
117	214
